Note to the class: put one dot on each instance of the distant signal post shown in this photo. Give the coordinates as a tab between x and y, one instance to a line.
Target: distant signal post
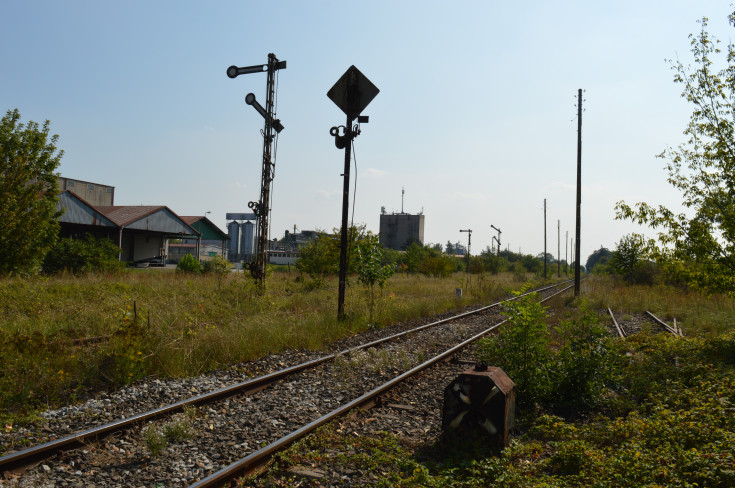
469	243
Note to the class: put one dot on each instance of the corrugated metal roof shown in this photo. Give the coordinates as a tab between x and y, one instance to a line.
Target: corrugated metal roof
78	211
125	215
154	218
190	219
205	227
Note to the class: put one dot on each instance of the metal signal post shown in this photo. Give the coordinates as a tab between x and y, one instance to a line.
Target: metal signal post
469	243
261	208
351	93
498	238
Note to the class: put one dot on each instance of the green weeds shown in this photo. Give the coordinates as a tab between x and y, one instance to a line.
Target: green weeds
159	435
166	324
650	410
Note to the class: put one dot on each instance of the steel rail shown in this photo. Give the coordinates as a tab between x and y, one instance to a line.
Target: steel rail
620	330
258	457
661	322
36	453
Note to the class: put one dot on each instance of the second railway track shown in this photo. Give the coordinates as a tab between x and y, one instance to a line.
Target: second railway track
232	426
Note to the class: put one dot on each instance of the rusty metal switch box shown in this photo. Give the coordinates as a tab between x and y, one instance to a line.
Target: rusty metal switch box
481	401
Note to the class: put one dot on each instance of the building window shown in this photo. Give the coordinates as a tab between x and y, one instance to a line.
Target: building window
109	190
69	183
90	187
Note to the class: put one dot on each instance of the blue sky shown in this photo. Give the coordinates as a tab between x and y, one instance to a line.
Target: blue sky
476	114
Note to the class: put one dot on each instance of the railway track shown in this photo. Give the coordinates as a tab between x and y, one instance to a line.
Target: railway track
115	454
624	330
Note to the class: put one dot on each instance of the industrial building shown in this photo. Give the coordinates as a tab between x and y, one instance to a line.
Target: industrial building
397	230
213	241
92	193
145	233
141	231
294	240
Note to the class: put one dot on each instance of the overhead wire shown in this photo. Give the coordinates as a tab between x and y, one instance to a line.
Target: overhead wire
354	193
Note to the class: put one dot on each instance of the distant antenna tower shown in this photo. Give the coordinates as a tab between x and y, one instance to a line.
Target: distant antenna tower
403	192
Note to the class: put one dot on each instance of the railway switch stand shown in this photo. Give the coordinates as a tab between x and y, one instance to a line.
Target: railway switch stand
480	402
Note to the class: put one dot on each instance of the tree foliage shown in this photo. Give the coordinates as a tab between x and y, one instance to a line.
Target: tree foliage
87	255
599	257
28	193
370	268
320	257
438	265
697	246
629	261
217	265
189	264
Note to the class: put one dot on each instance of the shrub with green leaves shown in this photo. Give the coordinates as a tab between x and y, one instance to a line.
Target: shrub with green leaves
217	265
521	348
85	255
189	264
438	266
583	367
370	270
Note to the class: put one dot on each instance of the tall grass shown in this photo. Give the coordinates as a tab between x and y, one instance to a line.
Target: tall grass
698	315
169	324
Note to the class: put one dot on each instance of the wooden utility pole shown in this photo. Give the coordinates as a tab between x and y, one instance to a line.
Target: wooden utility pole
579	192
572	250
558	248
544	238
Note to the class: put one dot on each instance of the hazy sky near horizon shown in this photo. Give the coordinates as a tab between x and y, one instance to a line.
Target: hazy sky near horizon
476	116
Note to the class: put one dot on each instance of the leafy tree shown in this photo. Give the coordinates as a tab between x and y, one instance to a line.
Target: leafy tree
697	247
491	261
411	240
550	258
532	264
450	248
86	255
28	193
370	269
627	254
438	266
601	256
414	255
320	257
476	265
629	261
